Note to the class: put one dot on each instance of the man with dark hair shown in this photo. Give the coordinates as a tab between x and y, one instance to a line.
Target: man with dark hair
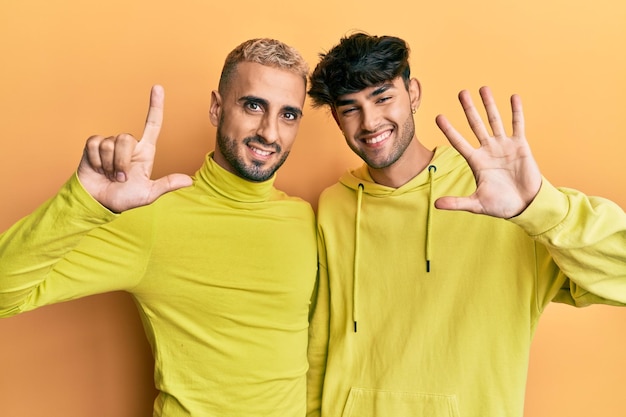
221	267
423	307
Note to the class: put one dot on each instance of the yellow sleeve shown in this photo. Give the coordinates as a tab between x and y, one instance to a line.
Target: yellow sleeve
62	251
319	323
586	238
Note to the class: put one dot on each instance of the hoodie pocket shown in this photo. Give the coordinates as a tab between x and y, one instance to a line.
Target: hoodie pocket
377	403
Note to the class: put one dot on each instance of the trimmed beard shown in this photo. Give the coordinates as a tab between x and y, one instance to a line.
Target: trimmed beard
254	171
408	129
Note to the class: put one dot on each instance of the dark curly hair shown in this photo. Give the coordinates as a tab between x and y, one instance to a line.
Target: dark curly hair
357	62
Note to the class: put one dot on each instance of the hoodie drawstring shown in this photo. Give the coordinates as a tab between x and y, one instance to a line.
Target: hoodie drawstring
357	226
359	199
431	171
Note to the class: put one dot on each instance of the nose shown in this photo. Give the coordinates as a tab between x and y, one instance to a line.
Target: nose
268	129
370	118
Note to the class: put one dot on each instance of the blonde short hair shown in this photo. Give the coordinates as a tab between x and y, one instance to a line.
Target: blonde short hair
264	51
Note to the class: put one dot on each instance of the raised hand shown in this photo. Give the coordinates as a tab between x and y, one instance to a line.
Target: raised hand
507	176
116	170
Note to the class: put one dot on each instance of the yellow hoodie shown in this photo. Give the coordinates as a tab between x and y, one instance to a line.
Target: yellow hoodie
222	273
423	312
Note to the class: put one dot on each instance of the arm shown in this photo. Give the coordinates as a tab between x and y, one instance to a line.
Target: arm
66	249
586	236
319	323
31	247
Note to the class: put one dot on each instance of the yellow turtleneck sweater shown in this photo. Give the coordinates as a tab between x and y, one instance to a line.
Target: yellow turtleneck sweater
222	273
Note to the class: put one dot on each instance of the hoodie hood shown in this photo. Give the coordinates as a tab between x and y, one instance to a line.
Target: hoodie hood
445	160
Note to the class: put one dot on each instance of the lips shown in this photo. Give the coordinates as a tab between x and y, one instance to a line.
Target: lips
372	140
260	152
261	149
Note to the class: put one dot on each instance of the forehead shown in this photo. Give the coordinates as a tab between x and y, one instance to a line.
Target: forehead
277	86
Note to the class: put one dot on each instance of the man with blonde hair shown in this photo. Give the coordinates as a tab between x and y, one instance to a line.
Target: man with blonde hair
221	264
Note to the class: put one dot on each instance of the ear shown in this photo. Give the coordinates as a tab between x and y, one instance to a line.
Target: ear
415	93
215	110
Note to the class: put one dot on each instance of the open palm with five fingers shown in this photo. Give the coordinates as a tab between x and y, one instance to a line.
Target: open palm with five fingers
507	176
116	170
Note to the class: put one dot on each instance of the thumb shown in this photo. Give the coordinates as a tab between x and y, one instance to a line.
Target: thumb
169	183
459	203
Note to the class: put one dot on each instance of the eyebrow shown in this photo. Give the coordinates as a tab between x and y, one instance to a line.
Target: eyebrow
253	99
380	90
265	104
292	109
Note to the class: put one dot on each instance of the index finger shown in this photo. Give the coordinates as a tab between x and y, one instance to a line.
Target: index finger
154	119
454	137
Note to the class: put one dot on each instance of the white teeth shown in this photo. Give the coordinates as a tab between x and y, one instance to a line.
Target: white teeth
378	138
260	152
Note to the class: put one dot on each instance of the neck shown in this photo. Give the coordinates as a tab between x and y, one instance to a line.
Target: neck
414	160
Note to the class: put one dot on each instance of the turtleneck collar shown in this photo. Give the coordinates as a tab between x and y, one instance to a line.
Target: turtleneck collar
216	180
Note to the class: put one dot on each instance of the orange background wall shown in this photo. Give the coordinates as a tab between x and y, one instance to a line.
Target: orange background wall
73	68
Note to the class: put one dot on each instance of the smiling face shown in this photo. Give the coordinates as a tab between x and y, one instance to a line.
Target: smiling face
257	119
377	121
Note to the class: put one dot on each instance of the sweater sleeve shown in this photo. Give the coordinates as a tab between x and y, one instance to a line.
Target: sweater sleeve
61	251
319	327
586	238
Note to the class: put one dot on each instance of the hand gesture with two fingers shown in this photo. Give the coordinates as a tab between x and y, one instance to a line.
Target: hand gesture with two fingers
116	170
507	176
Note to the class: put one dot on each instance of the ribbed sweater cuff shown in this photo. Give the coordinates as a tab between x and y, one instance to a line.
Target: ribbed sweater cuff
547	211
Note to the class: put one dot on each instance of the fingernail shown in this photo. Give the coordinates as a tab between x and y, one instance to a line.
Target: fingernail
120	176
